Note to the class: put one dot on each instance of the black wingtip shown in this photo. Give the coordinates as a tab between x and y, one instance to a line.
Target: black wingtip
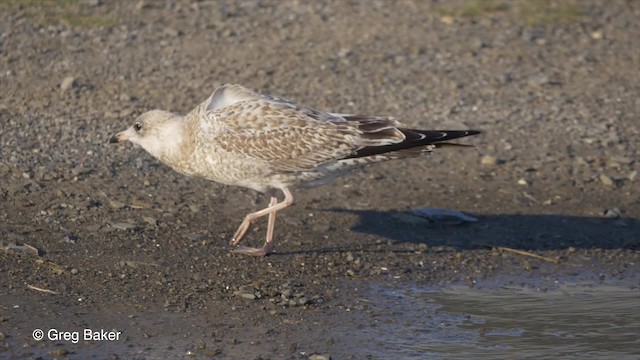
436	136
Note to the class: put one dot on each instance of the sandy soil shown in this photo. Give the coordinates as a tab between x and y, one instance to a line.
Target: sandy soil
122	242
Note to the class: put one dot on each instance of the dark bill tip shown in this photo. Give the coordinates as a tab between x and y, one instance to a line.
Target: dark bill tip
114	139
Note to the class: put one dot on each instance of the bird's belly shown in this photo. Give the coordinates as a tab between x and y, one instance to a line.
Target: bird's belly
229	169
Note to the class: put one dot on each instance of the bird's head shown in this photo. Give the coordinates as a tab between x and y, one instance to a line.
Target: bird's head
160	133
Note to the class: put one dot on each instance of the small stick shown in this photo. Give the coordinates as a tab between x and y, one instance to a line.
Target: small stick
525	253
42	290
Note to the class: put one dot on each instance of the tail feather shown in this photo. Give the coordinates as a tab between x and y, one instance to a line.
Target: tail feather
415	142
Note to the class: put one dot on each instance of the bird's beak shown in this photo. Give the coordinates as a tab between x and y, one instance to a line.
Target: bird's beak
119	137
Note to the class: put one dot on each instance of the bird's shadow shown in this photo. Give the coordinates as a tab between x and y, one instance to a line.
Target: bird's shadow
523	232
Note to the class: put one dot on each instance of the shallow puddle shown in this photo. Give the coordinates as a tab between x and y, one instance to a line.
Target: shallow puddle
575	321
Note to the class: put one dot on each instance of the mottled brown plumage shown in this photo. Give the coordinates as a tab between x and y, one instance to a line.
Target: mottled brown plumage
238	137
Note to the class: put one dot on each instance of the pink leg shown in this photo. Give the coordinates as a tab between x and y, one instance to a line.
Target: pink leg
271	210
268	244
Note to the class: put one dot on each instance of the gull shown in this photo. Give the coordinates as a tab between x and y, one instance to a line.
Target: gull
265	143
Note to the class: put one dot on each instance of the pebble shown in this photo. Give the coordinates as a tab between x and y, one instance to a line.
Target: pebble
142	5
248	296
68	83
621	159
150	220
139	204
606	180
539	80
71	239
74	271
488	160
59	353
523	182
123	226
633	175
246	289
171	32
247	292
447	20
320	357
612	213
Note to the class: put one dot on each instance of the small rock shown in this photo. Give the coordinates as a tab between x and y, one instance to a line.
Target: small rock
286	294
59	353
142	4
2	336
123	226
171	32
539	80
68	83
139	204
248	296
523	182
71	239
612	213
150	220
488	160
620	160
246	289
606	180
478	43
320	357
633	175
116	204
344	52
447	20
74	271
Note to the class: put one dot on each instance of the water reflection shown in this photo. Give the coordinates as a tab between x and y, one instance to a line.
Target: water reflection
569	322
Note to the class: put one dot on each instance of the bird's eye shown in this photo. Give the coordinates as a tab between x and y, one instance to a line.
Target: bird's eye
137	126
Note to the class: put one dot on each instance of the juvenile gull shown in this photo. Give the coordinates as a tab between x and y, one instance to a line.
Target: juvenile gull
238	137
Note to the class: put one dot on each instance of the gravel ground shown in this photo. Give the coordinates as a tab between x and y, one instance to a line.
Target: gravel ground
122	242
